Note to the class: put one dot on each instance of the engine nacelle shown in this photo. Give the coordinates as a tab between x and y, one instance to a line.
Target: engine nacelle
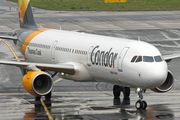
167	85
37	83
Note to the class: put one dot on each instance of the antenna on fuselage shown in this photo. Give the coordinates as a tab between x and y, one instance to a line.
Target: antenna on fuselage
139	38
60	27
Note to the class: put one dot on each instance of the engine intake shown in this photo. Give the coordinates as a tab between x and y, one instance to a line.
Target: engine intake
167	85
37	83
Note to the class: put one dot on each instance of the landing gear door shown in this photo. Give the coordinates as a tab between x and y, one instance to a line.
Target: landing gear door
121	58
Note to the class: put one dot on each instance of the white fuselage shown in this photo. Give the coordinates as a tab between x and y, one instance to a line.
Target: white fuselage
101	58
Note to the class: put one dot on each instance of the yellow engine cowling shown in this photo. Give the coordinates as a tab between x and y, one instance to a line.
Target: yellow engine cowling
167	85
37	83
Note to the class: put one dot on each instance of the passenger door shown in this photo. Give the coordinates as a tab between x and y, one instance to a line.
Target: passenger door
89	56
121	58
53	51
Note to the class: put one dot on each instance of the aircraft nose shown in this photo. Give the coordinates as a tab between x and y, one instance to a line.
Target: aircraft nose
159	74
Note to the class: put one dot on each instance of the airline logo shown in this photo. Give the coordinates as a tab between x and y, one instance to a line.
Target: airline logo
34	51
22	5
103	58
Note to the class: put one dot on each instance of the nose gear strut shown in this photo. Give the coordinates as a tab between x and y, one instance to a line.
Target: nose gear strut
140	104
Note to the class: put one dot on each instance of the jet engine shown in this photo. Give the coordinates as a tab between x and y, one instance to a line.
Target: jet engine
167	85
37	83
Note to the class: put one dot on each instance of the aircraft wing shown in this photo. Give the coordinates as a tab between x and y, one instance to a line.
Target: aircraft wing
9	37
168	58
65	68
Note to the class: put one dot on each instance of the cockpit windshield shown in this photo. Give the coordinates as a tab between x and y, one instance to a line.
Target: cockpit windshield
146	59
139	59
158	58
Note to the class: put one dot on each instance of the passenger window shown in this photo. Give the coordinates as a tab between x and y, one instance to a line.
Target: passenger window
139	59
148	59
158	58
134	58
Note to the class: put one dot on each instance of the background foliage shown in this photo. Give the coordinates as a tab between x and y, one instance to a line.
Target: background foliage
99	5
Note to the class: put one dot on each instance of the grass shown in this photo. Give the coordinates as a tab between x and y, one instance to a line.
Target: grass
99	5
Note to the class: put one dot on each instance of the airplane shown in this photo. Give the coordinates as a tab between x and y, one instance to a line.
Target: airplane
85	57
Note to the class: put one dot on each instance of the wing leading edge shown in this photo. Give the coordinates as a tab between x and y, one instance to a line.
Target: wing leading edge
168	58
65	68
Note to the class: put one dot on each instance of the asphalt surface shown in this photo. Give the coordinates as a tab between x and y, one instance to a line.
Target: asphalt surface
73	100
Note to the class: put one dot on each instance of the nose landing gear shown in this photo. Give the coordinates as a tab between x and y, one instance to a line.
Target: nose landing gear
140	104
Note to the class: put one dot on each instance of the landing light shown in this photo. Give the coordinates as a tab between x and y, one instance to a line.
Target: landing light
138	89
62	73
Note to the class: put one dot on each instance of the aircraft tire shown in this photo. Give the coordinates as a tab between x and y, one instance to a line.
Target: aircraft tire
116	91
144	105
37	98
48	96
139	105
126	91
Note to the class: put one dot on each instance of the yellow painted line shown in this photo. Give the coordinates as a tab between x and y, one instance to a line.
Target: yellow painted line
47	111
11	50
57	80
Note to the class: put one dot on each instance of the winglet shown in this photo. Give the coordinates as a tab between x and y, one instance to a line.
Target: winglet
26	18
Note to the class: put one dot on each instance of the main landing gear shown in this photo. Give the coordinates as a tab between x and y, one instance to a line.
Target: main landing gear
140	104
118	89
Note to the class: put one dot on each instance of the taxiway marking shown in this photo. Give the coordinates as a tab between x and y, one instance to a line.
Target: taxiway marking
47	111
11	49
57	80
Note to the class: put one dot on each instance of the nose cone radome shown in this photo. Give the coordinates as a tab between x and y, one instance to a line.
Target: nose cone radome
158	74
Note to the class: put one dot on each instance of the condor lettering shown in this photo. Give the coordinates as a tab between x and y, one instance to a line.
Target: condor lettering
103	58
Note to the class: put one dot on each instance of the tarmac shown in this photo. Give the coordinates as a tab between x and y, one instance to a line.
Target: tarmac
90	101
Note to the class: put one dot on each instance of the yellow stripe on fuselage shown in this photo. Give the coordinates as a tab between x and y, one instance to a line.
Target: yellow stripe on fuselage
22	5
29	38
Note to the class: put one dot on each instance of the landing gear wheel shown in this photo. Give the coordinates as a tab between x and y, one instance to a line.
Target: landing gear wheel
144	105
116	91
126	91
139	105
48	96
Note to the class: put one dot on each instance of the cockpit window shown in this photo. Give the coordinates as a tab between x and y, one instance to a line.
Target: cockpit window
139	59
158	58
134	58
148	59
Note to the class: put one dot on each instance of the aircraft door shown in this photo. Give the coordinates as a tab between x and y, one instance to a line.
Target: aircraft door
89	56
53	51
121	58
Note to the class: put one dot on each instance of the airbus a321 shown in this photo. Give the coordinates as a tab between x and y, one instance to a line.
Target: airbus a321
85	58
